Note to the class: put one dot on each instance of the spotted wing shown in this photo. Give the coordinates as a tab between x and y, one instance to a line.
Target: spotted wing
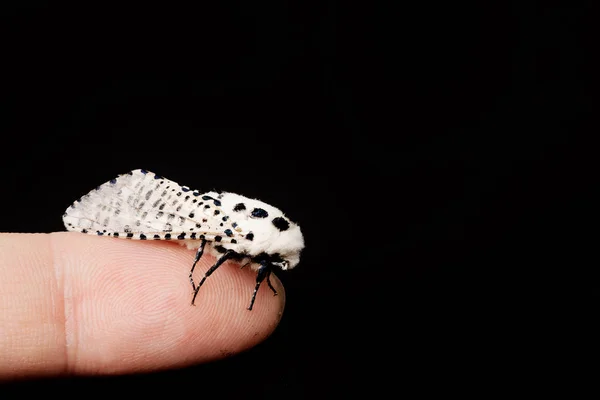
143	205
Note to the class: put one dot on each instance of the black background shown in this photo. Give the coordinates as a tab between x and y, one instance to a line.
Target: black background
435	156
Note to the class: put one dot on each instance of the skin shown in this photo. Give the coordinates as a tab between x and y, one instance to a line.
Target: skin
75	304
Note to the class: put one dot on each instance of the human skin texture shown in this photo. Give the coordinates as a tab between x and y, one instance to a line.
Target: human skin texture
75	304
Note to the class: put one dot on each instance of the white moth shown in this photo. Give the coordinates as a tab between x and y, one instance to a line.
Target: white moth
144	206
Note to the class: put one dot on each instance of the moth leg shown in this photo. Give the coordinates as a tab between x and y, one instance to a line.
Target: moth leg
263	272
243	266
269	283
212	269
198	256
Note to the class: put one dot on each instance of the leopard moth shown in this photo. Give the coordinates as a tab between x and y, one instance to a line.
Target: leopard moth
142	205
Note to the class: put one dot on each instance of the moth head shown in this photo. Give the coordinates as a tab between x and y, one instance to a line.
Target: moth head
287	246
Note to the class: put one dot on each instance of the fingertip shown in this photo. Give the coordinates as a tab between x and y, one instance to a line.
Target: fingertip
140	295
122	306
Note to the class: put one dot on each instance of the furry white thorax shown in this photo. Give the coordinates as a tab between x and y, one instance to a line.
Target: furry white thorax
267	238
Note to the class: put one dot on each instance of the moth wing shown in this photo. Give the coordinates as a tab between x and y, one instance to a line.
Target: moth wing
141	204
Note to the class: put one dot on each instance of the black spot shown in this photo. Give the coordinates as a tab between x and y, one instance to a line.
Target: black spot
185	189
220	249
113	181
156	237
157	177
217	203
182	236
168	228
281	223
143	171
193	201
234	224
259	213
218	238
225	218
239	207
193	235
178	193
186	198
206	198
108	233
198	225
217	212
207	206
179	207
204	220
142	236
221	224
250	236
233	241
130	235
116	234
191	215
196	193
168	236
159	214
228	232
202	237
148	194
84	231
100	233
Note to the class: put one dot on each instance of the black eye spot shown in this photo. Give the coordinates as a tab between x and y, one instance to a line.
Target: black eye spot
259	213
239	207
281	223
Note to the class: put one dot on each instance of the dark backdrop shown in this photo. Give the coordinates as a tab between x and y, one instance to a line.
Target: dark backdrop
434	155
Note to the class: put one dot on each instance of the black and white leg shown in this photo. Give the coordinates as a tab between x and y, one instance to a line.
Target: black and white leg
269	283
263	272
226	256
198	256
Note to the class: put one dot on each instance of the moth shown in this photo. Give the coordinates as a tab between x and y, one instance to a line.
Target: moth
142	205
